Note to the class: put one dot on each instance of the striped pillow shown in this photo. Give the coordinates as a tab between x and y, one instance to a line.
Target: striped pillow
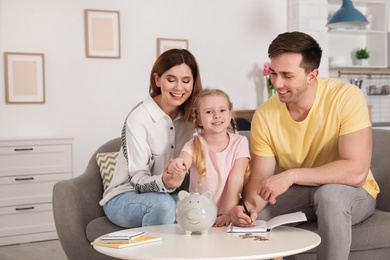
106	163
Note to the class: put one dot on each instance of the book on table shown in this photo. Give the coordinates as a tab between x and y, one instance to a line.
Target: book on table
125	238
265	226
134	242
122	236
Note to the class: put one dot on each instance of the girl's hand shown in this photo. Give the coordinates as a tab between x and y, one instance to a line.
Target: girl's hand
177	166
222	221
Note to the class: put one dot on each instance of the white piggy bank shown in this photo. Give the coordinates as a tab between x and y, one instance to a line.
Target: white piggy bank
196	212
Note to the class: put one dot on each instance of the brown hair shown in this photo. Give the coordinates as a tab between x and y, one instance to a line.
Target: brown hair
297	42
198	153
166	61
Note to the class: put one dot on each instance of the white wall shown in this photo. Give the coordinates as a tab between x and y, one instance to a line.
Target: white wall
88	99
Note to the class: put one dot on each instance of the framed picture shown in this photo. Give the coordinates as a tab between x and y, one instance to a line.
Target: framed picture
102	34
164	44
24	75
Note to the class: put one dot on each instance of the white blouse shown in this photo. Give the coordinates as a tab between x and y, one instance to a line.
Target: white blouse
149	139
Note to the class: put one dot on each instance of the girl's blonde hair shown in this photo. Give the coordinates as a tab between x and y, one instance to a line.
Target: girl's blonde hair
199	155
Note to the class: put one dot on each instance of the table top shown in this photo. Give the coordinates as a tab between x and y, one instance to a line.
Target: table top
282	241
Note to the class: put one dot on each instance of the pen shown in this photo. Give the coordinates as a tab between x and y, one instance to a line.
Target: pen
243	204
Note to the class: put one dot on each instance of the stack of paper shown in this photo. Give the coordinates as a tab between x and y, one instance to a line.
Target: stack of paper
124	238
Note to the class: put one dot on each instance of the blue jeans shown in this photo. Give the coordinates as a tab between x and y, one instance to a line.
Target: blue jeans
132	209
335	207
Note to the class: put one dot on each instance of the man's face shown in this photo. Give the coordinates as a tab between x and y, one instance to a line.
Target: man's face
289	79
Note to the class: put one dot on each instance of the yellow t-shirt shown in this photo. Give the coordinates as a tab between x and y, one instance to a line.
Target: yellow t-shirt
338	109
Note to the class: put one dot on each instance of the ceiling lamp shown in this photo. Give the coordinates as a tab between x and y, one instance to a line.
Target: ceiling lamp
347	17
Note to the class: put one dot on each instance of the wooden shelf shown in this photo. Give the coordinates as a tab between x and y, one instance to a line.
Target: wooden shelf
247	114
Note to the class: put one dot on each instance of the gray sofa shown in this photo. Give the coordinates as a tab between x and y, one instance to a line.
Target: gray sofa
80	219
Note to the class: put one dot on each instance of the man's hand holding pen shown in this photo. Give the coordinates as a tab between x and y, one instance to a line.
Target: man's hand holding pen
243	215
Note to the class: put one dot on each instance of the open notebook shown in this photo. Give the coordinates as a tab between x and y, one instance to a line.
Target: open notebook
265	226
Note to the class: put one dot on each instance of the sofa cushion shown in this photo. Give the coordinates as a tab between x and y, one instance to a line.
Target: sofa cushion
372	233
381	167
106	163
99	227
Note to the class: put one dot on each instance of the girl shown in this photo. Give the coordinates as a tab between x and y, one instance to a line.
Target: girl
218	159
154	131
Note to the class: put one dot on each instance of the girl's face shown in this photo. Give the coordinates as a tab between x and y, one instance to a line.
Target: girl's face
176	85
214	114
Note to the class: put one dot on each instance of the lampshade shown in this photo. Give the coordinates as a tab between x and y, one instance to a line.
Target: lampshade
347	17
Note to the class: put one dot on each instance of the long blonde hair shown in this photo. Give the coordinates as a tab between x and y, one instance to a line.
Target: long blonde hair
198	153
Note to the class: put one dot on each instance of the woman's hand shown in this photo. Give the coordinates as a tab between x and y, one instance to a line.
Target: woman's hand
172	180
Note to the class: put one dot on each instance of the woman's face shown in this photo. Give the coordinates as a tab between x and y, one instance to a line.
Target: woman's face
176	85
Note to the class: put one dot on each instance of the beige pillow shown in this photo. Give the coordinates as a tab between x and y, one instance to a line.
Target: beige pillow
106	163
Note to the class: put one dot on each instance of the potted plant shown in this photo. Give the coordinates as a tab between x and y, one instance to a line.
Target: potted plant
362	56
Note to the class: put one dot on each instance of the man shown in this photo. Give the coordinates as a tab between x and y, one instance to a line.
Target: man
318	132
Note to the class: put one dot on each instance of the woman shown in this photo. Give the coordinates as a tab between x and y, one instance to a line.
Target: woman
155	131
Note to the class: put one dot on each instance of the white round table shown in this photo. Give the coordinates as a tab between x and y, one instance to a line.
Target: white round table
218	244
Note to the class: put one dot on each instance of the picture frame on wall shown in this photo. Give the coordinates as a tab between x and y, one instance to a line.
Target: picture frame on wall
102	34
24	75
164	44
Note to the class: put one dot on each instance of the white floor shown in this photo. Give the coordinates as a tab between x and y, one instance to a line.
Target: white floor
43	250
